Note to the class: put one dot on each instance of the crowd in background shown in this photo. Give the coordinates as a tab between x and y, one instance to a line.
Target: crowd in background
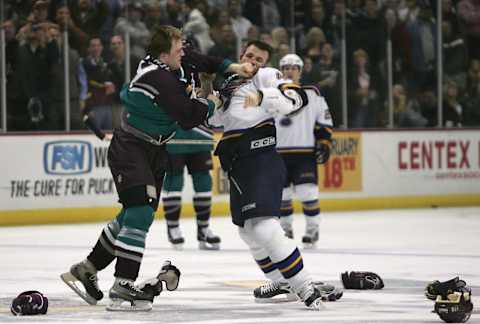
96	28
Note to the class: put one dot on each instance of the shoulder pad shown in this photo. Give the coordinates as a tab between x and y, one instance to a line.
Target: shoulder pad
314	89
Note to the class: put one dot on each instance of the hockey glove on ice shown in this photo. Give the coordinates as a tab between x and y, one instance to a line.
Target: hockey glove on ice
29	303
361	280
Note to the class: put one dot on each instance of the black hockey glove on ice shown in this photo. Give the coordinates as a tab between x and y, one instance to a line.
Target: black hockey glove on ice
361	280
29	303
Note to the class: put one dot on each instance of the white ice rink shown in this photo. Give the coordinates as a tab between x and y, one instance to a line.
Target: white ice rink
407	248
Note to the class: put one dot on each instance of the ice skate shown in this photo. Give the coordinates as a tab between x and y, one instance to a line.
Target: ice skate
310	238
328	292
85	273
207	240
127	297
311	297
274	292
175	237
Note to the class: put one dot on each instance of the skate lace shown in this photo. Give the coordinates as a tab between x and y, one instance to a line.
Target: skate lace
270	287
132	286
94	280
311	231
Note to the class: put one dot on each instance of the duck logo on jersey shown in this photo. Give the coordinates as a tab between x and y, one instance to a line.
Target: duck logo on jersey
67	157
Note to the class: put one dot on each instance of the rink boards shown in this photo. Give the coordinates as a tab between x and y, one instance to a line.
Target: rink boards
64	178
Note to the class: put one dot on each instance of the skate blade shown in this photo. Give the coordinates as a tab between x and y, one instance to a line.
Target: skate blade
70	281
284	298
208	246
122	305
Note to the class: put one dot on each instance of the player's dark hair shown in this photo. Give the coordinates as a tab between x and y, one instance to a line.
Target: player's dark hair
161	41
260	45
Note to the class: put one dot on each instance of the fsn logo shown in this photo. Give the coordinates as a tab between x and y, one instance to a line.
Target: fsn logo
67	157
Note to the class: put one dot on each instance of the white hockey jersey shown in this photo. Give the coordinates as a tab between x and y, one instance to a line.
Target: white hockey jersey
237	117
295	134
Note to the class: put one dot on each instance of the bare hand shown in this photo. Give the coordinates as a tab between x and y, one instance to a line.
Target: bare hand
108	137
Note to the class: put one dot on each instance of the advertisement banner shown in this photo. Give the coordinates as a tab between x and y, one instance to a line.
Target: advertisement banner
55	171
343	171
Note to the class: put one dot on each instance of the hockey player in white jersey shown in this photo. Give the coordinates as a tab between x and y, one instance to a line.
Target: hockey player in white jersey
255	170
303	140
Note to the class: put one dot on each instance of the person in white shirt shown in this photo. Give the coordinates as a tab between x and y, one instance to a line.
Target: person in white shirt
303	140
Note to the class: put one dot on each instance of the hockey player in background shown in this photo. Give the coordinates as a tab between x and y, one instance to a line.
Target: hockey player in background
196	155
303	140
255	170
156	104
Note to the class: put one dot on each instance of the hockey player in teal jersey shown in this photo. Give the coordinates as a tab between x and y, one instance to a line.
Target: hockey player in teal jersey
198	160
156	106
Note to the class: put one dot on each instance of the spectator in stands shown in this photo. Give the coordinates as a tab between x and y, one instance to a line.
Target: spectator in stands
89	15
101	89
196	26
139	34
314	41
469	15
57	88
38	16
264	14
240	24
328	80
405	114
472	95
362	92
77	38
452	109
425	102
454	55
227	45
154	14
34	64
422	34
117	68
14	101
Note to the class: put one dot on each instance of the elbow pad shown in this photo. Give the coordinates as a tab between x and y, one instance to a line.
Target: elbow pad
287	99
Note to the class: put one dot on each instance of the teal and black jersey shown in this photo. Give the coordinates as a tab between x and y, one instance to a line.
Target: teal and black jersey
156	101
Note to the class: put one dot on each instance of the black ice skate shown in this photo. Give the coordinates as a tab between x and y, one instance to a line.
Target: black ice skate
127	297
274	292
310	238
175	237
85	273
207	240
312	298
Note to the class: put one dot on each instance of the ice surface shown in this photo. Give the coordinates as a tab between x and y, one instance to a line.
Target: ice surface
407	248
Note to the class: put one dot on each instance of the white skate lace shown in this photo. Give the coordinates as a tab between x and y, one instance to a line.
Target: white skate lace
270	287
94	281
131	286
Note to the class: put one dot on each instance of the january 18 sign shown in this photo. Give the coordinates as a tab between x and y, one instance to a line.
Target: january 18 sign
343	171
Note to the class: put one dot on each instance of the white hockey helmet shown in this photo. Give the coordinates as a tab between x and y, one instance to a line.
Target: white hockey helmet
291	59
